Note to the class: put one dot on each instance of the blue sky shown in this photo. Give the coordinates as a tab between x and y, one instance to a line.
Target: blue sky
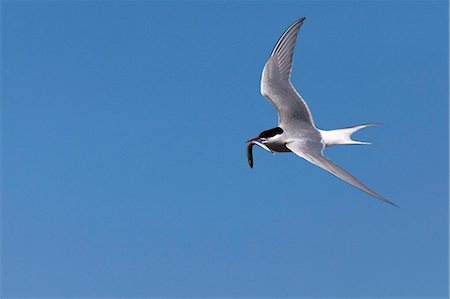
123	150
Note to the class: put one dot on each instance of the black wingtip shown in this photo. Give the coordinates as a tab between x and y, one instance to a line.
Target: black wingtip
394	204
299	21
390	202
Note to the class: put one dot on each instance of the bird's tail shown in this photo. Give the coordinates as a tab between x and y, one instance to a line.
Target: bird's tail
343	136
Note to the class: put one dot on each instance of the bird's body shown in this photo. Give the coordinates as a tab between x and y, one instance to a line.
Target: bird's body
296	131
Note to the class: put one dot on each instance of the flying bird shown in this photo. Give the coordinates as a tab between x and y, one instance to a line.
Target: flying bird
296	131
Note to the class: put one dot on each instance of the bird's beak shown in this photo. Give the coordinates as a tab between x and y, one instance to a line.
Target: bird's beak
257	141
254	139
250	144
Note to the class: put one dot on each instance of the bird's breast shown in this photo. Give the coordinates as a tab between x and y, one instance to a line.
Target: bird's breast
277	145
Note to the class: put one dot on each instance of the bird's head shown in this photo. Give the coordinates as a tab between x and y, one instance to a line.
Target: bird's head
264	136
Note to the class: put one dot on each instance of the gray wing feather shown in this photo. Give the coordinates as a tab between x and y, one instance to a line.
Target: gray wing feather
275	81
312	152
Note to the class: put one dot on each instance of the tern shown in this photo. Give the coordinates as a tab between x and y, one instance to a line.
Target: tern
296	131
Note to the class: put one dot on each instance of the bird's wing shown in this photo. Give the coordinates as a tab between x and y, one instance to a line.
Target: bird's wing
276	84
312	152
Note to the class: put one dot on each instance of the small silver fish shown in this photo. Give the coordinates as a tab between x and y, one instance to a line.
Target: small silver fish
250	150
262	145
250	154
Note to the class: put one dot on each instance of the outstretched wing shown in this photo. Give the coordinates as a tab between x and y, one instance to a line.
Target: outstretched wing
276	84
312	152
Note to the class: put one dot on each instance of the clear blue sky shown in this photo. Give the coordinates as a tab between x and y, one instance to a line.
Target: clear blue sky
124	163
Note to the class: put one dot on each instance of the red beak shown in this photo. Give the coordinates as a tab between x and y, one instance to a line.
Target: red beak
253	139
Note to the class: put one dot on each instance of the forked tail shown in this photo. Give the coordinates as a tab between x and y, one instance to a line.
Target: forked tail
343	136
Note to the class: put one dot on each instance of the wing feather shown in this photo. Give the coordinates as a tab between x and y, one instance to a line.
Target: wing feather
275	81
312	152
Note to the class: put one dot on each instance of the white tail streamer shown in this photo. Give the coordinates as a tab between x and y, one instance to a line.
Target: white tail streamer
343	136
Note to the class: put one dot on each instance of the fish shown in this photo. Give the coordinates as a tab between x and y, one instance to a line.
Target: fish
263	146
250	154
250	150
